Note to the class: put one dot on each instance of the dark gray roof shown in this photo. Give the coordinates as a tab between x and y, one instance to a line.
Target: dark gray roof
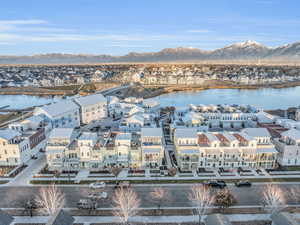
284	218
61	218
5	219
217	219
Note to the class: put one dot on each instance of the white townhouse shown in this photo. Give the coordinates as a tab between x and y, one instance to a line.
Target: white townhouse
152	144
64	114
91	151
261	135
195	150
288	146
86	143
14	149
58	156
92	108
151	105
132	124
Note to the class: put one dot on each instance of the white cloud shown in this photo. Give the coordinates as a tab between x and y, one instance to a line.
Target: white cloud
22	22
198	31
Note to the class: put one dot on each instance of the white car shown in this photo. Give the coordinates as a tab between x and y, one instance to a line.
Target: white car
97	185
101	195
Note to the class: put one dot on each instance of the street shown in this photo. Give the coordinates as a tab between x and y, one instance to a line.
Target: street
13	197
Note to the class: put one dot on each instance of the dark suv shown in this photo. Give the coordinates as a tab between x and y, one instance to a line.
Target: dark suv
243	183
216	183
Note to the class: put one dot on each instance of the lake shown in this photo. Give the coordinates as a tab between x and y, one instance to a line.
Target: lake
267	98
24	101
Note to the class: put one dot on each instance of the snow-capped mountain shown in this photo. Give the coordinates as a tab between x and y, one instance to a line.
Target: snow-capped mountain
286	51
245	50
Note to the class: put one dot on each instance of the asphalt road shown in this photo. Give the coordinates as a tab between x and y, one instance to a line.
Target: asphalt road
13	197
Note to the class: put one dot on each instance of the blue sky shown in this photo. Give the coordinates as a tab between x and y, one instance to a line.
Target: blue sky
120	26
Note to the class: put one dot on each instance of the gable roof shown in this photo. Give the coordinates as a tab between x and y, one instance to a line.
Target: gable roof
135	119
5	219
59	108
217	219
151	132
186	133
9	134
61	133
61	218
292	133
90	99
257	132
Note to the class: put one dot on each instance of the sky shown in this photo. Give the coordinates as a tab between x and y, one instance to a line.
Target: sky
118	27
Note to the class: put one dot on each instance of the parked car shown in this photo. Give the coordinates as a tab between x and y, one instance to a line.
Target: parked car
243	184
100	195
97	185
124	184
34	157
86	204
216	183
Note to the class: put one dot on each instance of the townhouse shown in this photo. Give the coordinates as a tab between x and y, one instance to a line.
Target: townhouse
196	150
132	124
22	140
64	114
152	144
288	146
57	150
66	151
14	149
92	108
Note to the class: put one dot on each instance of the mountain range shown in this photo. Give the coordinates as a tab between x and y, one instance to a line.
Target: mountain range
249	50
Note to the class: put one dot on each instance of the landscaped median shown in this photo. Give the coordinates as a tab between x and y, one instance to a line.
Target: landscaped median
174	181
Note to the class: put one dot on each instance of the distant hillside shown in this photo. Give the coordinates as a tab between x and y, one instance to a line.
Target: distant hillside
249	50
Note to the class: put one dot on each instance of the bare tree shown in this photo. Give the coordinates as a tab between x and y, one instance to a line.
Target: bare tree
50	199
295	194
224	199
273	198
159	194
126	202
172	171
115	171
202	197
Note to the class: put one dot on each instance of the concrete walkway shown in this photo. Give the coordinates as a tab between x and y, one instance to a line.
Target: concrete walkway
81	175
148	219
123	174
34	167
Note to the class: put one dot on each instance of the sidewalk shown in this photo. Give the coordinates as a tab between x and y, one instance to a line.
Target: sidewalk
87	220
82	175
34	167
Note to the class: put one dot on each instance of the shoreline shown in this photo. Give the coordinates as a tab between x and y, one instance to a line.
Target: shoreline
161	90
148	91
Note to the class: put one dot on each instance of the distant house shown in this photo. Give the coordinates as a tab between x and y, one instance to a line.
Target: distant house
151	105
